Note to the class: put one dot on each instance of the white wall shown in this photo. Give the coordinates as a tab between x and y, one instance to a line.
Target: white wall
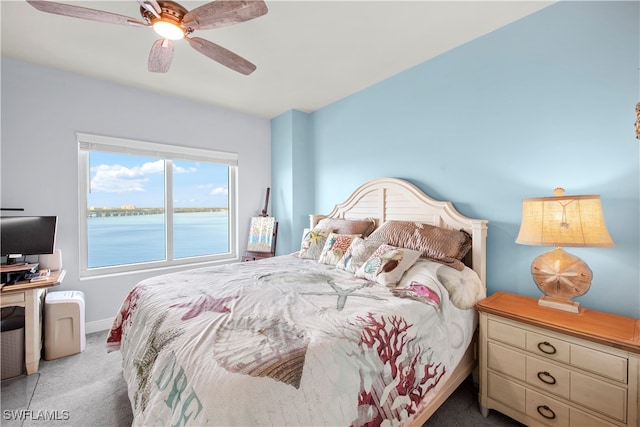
42	108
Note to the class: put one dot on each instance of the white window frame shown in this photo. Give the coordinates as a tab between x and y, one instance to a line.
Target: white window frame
169	153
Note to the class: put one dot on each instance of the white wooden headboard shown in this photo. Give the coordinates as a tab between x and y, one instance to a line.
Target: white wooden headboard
395	199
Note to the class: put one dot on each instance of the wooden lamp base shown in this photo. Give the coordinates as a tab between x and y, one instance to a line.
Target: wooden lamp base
570	306
561	277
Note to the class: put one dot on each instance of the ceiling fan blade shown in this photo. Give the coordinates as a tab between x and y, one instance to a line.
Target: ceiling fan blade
221	13
152	6
222	55
84	13
161	56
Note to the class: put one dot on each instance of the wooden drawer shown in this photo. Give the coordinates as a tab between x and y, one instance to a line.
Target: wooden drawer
552	348
549	377
546	410
539	408
600	362
549	411
605	398
499	331
506	361
549	347
580	419
600	396
16	298
598	359
507	392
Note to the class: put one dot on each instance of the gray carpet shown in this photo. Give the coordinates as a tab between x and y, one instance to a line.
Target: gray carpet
84	390
87	390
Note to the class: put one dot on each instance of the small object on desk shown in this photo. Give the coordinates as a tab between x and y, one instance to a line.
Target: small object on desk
40	275
13	274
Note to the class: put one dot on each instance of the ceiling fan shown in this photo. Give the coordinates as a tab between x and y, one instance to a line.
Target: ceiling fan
173	22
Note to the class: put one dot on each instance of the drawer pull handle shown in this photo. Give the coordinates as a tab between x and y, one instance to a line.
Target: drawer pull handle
546	377
547	348
546	412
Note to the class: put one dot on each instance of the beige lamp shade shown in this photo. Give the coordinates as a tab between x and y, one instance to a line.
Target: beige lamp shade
563	221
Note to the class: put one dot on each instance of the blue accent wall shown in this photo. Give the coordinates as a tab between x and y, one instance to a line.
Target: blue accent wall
546	101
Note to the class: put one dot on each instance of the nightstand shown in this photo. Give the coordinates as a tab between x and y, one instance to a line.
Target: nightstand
542	366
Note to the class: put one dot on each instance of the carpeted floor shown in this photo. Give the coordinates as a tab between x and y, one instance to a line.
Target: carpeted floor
87	390
84	390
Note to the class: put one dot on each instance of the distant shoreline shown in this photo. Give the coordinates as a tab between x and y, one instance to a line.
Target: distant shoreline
106	212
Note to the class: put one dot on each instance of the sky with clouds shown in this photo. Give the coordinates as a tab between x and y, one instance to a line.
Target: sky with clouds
117	180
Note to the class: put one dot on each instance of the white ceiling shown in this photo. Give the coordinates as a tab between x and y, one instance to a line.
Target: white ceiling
308	53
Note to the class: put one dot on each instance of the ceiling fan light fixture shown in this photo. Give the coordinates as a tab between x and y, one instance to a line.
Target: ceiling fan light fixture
173	21
168	30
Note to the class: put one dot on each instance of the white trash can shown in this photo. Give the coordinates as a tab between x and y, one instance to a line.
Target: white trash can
63	324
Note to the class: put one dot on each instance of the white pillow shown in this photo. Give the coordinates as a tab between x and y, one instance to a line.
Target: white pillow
464	287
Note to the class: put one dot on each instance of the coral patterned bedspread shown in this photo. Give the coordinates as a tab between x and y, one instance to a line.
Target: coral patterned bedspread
288	341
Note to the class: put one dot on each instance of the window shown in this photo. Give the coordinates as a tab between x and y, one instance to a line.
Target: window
145	205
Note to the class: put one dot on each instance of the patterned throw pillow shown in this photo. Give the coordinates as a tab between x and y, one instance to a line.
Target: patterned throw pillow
387	264
313	242
335	247
359	251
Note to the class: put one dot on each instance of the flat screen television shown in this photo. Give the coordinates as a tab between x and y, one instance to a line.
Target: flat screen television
27	235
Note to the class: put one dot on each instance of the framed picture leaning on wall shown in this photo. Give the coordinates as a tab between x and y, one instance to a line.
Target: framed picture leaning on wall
262	234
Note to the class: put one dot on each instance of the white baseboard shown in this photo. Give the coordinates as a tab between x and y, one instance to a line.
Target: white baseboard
98	326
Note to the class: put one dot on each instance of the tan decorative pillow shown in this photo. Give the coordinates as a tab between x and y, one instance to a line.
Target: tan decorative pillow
387	264
363	227
313	242
438	244
335	247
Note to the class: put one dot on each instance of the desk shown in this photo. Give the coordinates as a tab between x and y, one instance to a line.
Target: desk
30	295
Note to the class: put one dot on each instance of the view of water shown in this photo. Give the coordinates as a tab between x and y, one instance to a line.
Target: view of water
132	239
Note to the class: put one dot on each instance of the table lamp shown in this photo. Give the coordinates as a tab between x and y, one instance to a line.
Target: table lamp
562	221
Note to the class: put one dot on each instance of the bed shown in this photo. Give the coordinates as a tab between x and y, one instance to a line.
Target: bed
354	329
